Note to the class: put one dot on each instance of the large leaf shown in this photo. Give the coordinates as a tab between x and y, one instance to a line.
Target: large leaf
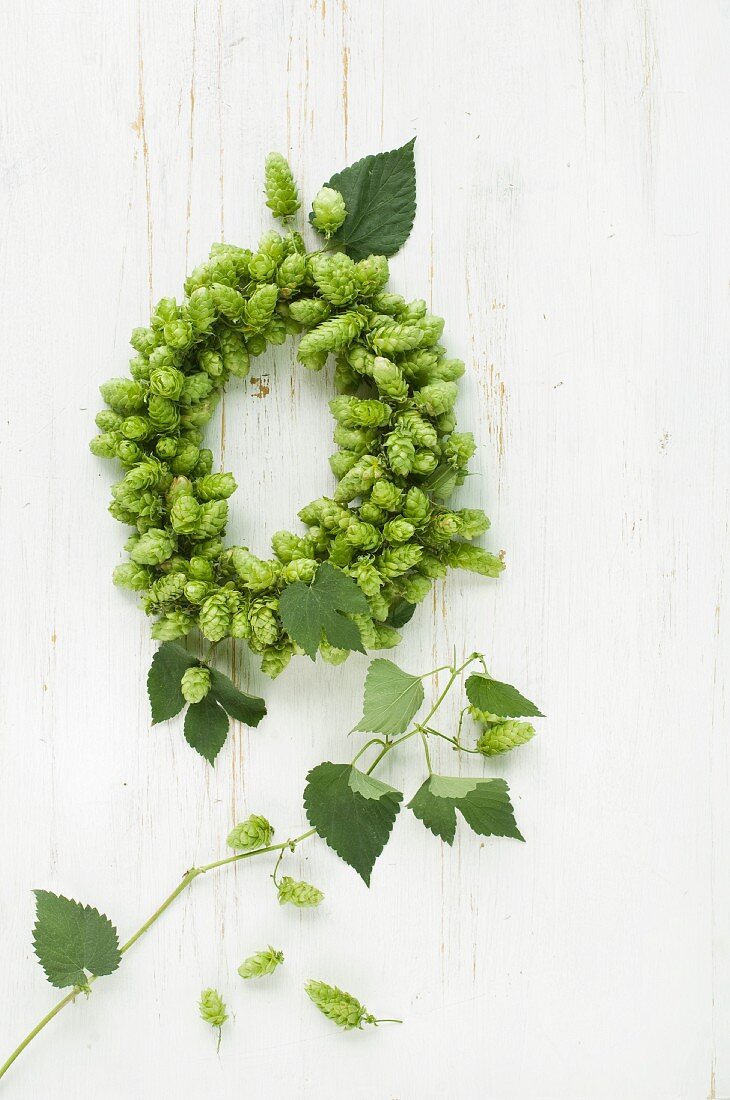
483	803
244	708
206	727
499	699
308	611
352	811
73	941
380	197
163	680
392	698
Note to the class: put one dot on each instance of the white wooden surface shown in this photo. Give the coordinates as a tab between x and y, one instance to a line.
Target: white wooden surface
573	228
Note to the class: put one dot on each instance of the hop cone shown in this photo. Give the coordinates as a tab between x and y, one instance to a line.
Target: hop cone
328	210
153	547
460	555
371	275
195	684
309	311
335	277
212	1008
340	1007
261	964
281	190
391	337
215	617
254	832
234	352
504	737
300	894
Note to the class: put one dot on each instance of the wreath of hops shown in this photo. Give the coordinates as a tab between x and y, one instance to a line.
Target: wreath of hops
373	549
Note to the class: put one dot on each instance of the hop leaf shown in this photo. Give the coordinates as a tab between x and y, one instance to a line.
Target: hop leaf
261	964
301	894
254	832
483	803
392	698
340	1007
309	612
501	700
73	941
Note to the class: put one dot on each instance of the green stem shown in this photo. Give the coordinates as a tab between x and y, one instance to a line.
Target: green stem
38	1028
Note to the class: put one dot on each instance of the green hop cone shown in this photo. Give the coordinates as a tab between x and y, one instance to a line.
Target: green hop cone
254	832
185	514
281	190
340	1007
260	307
474	522
124	395
214	618
195	683
261	964
153	547
309	311
234	352
334	274
215	487
328	210
371	275
201	309
390	337
389	379
461	555
275	659
504	737
301	894
331	335
212	1008
436	398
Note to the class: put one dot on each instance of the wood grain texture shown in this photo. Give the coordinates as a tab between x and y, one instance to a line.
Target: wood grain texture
574	230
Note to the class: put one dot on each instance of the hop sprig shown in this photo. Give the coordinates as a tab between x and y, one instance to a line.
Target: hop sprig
213	1010
340	1007
282	198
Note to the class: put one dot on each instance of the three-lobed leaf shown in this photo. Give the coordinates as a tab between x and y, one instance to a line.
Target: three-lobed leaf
392	698
163	680
206	722
73	941
352	812
380	197
309	611
499	699
483	803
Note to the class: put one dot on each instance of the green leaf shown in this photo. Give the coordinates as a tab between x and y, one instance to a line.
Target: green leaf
392	697
497	698
352	811
206	727
163	680
73	941
309	610
380	196
400	613
249	709
483	803
441	482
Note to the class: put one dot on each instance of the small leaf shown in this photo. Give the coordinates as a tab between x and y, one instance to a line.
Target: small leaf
380	196
352	811
392	698
163	680
483	803
400	613
73	941
441	482
308	611
496	698
249	709
206	727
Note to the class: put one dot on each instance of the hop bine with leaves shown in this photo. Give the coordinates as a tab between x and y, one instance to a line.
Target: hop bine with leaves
371	551
350	809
